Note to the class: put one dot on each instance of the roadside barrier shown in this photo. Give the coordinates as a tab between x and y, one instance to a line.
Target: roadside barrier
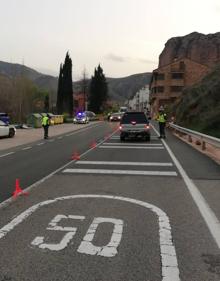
200	139
18	191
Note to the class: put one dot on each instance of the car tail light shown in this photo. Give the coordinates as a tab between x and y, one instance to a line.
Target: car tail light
147	126
120	127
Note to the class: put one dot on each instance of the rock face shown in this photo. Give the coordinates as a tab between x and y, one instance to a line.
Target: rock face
204	49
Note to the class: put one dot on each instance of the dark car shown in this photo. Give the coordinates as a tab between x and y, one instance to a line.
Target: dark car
116	116
134	125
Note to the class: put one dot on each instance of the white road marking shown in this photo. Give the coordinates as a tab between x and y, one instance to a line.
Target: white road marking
125	163
109	250
71	231
26	148
170	270
132	144
120	172
41	143
52	140
7	154
133	147
209	216
70	134
59	138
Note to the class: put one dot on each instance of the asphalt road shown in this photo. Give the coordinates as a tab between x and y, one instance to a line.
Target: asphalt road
121	212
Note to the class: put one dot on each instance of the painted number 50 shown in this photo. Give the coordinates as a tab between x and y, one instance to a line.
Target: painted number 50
86	246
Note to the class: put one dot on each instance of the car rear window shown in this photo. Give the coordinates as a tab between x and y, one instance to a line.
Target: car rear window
134	116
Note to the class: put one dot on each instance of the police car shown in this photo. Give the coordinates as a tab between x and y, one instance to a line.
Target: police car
81	118
7	130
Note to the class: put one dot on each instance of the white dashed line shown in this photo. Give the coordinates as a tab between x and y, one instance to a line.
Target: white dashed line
41	143
125	163
26	148
7	154
120	172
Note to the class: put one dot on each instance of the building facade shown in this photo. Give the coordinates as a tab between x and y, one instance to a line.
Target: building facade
169	81
140	101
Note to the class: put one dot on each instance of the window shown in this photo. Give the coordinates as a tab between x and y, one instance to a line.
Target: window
160	76
176	89
177	75
138	117
182	65
160	89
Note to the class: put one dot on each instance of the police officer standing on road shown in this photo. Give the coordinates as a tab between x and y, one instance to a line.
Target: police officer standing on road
161	118
46	124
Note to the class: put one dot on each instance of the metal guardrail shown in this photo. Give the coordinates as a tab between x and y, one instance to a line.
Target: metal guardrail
202	137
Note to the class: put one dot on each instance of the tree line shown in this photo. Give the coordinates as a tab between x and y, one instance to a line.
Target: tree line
97	94
19	96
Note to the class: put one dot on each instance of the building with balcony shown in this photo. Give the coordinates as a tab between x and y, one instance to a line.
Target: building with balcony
169	81
140	100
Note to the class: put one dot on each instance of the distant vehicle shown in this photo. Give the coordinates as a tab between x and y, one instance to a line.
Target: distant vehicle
81	118
123	109
116	116
91	115
4	117
134	124
7	130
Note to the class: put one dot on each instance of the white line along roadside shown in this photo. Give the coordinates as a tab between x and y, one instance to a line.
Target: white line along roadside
133	147
125	163
209	216
170	270
120	172
7	154
132	144
4	203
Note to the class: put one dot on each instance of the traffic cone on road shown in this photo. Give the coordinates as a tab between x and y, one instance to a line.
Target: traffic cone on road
93	144
18	191
75	156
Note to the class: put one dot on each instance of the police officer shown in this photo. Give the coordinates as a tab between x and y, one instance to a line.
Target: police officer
46	124
161	118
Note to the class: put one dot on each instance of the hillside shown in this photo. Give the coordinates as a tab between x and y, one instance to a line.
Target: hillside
199	108
120	89
204	49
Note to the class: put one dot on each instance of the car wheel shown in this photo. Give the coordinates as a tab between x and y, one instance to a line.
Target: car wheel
122	138
11	133
147	138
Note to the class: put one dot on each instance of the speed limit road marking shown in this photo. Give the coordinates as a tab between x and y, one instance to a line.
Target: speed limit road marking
169	270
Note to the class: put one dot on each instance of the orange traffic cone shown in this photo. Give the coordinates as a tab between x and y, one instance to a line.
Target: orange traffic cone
18	191
93	144
75	156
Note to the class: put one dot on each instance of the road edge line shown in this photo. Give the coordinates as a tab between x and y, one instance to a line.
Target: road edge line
27	189
207	213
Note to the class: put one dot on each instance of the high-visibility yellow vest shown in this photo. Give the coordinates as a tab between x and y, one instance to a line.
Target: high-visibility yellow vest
161	117
45	121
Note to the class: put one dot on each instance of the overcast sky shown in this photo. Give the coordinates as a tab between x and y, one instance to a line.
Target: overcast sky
124	36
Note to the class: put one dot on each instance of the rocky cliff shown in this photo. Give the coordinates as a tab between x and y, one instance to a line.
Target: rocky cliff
201	48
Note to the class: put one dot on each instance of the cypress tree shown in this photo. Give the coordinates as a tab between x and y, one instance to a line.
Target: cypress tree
65	88
59	92
98	91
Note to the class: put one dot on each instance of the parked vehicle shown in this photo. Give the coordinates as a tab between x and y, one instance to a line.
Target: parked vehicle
91	115
136	125
81	118
116	116
7	130
4	117
123	109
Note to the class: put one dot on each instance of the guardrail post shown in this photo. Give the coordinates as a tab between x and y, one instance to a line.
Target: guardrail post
203	145
189	138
